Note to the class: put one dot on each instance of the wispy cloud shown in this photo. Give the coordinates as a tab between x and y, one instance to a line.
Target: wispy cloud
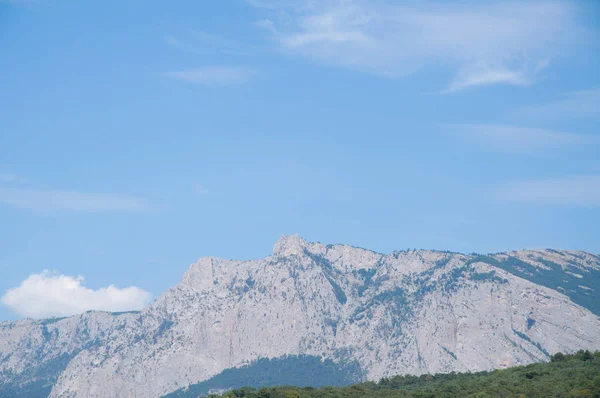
483	42
519	140
214	75
22	2
482	75
577	104
575	190
200	189
277	4
6	177
266	24
46	295
199	42
49	201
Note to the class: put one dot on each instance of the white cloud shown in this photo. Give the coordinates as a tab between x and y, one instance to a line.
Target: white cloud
47	295
214	76
523	140
577	104
483	42
63	200
575	190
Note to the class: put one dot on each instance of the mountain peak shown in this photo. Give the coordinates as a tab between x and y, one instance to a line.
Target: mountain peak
289	245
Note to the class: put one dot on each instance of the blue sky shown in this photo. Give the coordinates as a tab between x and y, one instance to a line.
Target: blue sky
137	136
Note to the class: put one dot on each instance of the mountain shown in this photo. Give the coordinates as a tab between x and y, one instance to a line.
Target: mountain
363	315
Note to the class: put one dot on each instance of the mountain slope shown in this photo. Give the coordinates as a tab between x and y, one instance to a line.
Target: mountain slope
407	312
576	274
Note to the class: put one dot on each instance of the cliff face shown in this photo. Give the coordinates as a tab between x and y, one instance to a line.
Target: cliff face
406	312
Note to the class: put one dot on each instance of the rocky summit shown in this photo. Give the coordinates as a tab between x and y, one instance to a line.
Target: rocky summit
368	314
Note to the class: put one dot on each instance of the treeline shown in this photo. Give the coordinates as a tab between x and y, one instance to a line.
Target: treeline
576	375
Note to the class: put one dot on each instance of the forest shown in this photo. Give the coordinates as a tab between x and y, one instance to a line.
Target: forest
576	375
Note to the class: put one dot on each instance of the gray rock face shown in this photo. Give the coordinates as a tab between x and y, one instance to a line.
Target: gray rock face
406	312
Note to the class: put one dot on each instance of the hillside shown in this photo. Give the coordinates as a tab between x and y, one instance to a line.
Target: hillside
363	314
565	376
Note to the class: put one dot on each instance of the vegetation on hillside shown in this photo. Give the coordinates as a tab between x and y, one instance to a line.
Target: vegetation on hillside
303	370
573	281
576	375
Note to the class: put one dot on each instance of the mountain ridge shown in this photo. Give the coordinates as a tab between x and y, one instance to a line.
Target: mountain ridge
403	312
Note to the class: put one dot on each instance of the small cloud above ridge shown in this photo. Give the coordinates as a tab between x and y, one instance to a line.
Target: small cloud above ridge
49	294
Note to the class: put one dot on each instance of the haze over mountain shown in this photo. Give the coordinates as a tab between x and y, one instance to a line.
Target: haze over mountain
367	314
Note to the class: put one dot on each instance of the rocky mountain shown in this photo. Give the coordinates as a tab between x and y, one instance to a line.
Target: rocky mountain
361	313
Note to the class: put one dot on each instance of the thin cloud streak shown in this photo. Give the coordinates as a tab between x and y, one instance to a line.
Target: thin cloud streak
519	140
576	104
573	191
485	43
213	76
49	201
486	77
12	178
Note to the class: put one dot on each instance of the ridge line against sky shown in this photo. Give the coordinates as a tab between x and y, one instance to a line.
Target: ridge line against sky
139	136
